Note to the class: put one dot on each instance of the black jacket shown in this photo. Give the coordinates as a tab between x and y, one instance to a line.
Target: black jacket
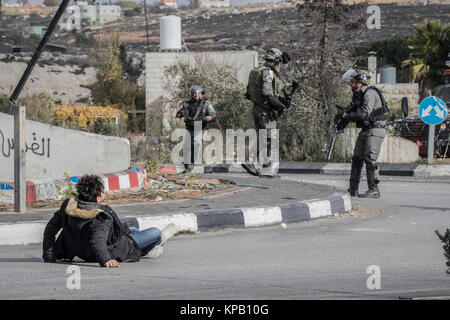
90	231
111	239
74	239
196	111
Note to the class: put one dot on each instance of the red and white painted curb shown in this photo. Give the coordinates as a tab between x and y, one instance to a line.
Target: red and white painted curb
38	190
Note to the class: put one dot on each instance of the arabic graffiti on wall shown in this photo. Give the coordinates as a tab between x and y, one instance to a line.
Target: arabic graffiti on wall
40	148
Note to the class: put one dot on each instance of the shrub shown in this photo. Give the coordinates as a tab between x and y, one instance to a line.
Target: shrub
96	119
3	102
39	107
223	90
157	153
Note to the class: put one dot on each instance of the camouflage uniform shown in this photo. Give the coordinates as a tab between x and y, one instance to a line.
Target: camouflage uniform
263	116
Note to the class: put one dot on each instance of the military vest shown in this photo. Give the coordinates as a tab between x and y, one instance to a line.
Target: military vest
255	82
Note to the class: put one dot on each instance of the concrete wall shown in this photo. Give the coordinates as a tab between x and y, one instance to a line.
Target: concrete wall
399	90
156	62
54	150
159	87
393	149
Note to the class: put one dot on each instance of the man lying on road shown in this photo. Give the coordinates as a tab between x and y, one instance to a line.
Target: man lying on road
93	232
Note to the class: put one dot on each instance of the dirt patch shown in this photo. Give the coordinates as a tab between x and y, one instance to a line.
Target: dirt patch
159	187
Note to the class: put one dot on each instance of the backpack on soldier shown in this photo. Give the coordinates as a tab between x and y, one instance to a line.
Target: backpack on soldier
381	112
255	83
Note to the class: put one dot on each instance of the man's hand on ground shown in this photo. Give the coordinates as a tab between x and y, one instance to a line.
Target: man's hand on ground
111	264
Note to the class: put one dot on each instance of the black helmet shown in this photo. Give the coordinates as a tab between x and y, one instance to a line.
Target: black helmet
196	89
354	73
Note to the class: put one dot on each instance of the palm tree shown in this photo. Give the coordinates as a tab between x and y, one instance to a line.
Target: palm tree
428	53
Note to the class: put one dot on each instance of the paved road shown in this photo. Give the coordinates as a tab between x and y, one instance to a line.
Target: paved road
321	259
275	193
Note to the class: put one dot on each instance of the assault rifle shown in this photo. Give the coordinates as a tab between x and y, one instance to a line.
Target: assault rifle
286	99
338	127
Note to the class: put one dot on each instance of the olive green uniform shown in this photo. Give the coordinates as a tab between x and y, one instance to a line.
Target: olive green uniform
271	85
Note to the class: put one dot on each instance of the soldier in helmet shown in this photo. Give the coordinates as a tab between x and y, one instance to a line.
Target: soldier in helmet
367	110
198	108
264	88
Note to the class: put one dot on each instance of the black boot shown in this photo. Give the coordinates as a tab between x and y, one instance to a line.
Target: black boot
373	192
372	182
355	176
250	168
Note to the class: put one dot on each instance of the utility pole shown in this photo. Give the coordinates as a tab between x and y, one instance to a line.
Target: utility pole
146	23
36	55
20	187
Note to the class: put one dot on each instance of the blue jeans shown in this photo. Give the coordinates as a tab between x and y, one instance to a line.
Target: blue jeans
146	239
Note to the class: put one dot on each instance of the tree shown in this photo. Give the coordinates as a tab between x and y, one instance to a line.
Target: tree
323	57
222	87
114	86
429	49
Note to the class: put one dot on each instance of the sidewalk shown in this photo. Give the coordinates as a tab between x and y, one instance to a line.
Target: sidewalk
386	169
256	202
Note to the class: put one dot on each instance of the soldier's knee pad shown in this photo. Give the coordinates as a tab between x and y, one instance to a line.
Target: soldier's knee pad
356	159
371	165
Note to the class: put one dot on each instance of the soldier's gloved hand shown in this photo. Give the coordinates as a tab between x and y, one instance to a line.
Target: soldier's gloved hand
247	96
275	103
345	115
337	117
180	114
286	101
274	114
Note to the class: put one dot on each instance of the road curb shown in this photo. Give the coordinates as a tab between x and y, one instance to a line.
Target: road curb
22	233
39	190
385	169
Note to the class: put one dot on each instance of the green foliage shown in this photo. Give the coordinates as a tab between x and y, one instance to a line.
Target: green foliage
38	107
51	3
127	4
429	49
157	154
390	52
131	71
112	129
82	39
222	88
116	80
445	238
108	89
70	189
3	102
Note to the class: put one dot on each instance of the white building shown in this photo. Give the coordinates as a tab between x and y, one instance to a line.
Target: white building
93	14
71	19
214	3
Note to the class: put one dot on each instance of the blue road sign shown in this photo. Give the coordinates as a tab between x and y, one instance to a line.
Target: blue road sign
432	110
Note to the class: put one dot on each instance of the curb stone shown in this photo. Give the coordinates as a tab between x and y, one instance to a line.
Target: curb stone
22	233
385	169
38	190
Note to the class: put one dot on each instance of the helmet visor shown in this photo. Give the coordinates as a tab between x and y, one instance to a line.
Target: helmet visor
349	74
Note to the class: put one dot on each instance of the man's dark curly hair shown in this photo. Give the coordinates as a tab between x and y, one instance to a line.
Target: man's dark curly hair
89	187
